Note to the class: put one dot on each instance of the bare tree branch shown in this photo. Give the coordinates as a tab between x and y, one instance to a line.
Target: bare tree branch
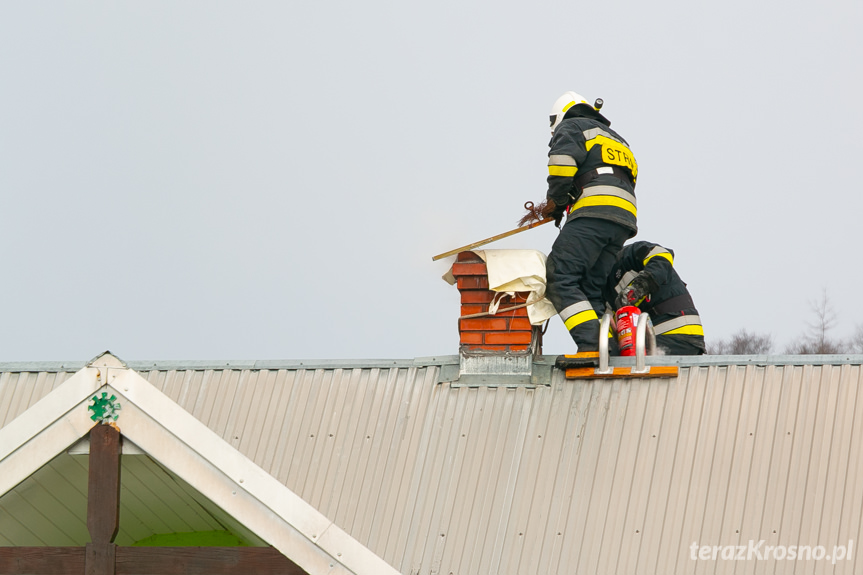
816	341
742	343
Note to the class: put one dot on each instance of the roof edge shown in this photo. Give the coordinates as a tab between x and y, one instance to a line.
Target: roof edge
429	361
197	364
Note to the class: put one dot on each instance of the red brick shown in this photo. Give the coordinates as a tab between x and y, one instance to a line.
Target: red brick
473	308
495	348
518	323
483	324
477	296
472	282
518	348
520	312
472	337
468	257
509	337
469	269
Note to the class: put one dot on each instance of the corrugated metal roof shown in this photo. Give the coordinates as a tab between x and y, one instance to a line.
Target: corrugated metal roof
21	389
596	476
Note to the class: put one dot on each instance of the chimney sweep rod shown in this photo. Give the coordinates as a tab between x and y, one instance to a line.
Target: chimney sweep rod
491	239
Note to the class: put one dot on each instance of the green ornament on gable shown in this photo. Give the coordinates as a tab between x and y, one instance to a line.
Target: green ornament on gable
104	409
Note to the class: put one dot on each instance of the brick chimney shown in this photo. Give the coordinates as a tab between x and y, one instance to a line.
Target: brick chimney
506	332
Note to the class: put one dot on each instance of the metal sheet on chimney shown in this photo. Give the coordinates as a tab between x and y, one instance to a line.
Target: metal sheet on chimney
496	364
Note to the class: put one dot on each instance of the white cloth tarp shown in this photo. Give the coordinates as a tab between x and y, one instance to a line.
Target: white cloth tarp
511	271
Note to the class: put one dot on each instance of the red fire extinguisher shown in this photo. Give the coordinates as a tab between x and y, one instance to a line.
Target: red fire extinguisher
627	319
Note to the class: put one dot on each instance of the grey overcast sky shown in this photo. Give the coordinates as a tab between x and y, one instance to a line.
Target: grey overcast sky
270	180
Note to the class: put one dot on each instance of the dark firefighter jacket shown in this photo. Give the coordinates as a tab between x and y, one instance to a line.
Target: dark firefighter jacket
591	169
670	307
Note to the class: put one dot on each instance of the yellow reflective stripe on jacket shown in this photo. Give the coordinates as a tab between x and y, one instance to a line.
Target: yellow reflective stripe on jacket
561	165
684	325
562	170
606	196
661	252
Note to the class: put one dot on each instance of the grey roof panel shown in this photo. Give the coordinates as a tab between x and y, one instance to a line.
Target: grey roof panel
593	476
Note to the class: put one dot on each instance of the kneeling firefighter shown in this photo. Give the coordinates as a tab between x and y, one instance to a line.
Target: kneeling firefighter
644	276
591	180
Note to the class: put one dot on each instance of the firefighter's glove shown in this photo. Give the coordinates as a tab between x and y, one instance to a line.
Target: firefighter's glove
552	210
558	217
637	292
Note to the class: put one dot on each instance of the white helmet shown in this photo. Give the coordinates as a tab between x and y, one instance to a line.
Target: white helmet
564	103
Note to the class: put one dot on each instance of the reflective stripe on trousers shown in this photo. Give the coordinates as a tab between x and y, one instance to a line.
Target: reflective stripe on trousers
577	314
685	324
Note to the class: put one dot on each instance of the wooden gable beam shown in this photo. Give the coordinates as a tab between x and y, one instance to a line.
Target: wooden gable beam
150	561
41	560
103	500
209	560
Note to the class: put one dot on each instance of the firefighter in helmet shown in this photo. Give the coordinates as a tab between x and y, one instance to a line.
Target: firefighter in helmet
644	276
591	182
